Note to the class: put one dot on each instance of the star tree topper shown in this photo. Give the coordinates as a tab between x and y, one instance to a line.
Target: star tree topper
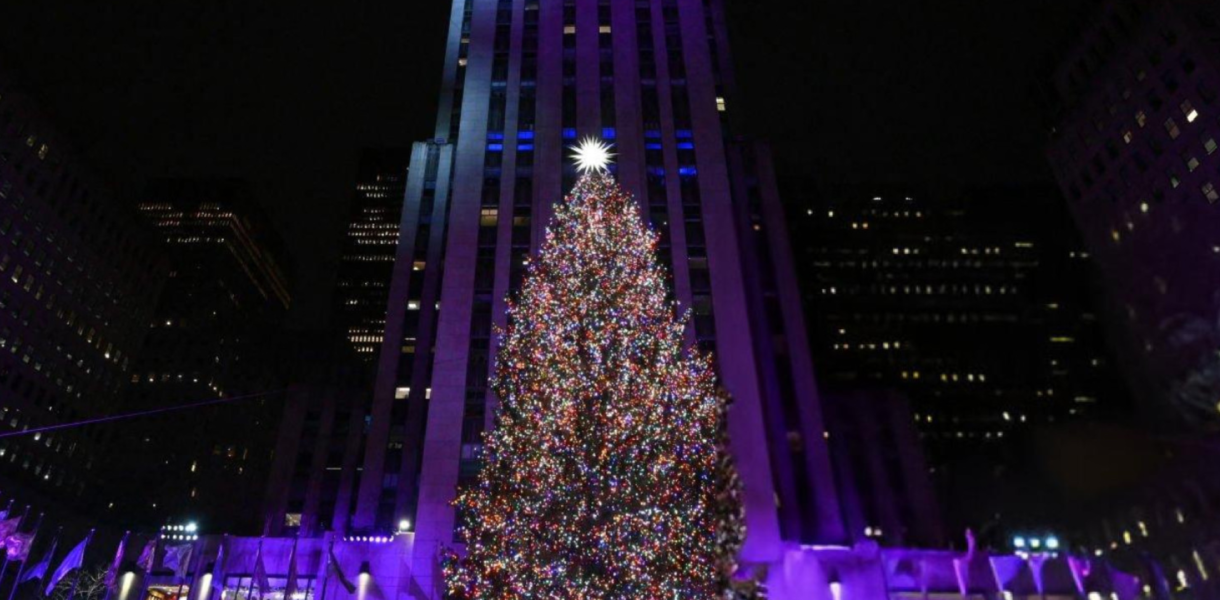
592	156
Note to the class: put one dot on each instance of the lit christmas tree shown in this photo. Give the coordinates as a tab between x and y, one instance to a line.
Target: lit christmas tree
608	474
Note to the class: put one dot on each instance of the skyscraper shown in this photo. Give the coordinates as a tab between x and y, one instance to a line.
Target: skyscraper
369	248
523	80
1134	145
976	304
78	279
214	334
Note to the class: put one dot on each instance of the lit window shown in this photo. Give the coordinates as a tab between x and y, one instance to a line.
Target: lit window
569	30
1210	145
1210	192
1127	136
1189	111
292	520
1141	118
720	104
1171	127
402	393
489	217
604	29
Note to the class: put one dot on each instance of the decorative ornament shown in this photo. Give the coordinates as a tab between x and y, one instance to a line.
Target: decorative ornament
592	156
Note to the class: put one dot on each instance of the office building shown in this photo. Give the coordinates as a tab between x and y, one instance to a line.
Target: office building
1134	146
976	304
79	277
369	248
214	334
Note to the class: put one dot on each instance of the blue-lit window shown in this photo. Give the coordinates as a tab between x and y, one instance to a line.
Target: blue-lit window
686	146
525	135
652	146
685	134
609	133
688	171
652	135
569	133
495	135
495	147
526	147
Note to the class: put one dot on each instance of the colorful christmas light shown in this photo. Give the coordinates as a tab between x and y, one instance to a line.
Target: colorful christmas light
608	474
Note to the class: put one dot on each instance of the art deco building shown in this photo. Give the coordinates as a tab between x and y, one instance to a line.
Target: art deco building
1135	145
369	249
78	279
523	80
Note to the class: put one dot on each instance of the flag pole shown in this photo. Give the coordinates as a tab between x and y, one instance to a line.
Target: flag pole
152	563
21	568
21	571
80	569
113	584
326	575
219	567
4	568
8	509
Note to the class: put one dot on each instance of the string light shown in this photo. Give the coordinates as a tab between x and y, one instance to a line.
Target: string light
607	474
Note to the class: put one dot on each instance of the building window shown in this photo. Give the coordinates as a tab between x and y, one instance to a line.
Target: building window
1189	111
1210	192
489	217
292	520
1141	118
720	104
1171	127
1210	145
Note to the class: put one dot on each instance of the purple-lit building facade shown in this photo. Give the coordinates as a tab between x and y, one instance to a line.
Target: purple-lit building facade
523	81
1135	149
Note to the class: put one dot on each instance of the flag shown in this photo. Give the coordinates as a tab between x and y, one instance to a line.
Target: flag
40	569
290	587
260	573
218	568
112	574
337	571
8	527
148	556
17	546
177	559
73	560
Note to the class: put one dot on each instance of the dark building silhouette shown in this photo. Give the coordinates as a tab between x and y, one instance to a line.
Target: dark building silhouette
78	280
977	305
369	247
881	470
321	427
1134	144
214	335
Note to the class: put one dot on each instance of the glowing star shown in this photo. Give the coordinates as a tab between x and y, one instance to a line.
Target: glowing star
592	156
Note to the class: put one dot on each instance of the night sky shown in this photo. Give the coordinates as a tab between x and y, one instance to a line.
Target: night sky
286	94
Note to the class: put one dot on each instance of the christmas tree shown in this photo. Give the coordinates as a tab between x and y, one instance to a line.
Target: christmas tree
607	475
